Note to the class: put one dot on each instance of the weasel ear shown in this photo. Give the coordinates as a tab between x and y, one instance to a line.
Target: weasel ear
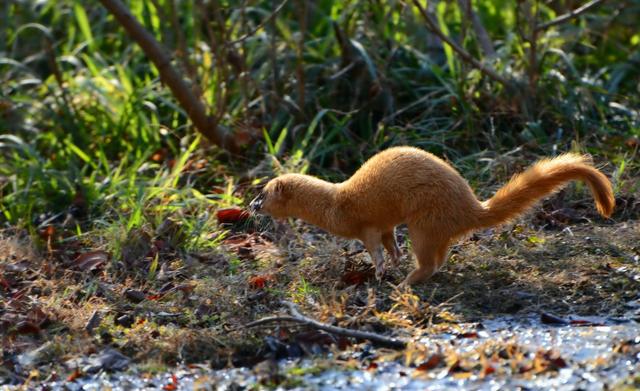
279	187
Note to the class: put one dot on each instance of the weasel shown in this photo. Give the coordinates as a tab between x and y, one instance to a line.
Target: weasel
408	185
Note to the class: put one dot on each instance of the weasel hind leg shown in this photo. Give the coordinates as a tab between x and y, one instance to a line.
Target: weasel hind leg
430	249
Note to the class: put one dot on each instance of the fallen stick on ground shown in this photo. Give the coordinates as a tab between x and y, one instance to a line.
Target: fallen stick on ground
297	317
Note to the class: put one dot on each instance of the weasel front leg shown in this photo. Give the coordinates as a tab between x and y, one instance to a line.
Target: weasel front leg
372	240
390	244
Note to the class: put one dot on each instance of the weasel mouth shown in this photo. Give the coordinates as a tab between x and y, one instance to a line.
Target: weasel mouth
256	204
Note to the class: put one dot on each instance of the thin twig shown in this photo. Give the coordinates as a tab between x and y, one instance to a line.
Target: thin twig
183	51
273	58
481	33
433	27
302	17
258	27
570	15
273	319
221	52
396	343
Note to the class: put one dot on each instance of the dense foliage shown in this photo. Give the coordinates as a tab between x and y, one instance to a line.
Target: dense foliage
321	82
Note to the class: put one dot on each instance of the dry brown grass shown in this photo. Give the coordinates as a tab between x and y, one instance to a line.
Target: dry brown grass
585	269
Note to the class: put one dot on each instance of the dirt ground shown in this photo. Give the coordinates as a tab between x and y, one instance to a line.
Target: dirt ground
167	306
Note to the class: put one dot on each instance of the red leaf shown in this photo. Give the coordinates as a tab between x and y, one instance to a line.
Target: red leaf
25	327
231	215
489	370
47	232
431	363
170	387
173	385
160	155
356	277
92	260
470	334
154	297
258	282
186	288
75	375
372	366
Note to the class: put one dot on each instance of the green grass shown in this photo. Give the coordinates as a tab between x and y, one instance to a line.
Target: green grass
83	110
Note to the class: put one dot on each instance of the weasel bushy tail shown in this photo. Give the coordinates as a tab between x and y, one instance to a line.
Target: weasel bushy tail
544	177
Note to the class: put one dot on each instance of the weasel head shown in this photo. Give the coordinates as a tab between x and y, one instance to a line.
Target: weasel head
275	197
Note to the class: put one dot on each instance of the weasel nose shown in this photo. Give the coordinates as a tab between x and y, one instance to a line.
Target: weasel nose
256	204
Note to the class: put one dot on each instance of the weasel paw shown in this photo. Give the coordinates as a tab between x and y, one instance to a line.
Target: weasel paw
379	273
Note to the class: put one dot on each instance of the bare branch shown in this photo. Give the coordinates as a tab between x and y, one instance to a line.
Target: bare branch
297	317
432	25
478	28
193	106
570	15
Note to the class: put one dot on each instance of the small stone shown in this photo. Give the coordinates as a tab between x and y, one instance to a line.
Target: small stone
134	295
36	356
125	320
93	322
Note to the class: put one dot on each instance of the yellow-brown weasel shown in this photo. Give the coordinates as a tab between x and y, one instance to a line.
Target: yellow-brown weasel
408	185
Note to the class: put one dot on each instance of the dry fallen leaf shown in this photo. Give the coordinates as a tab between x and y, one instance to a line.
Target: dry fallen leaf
74	375
173	384
357	277
632	142
488	370
26	327
259	282
47	232
431	363
160	155
91	260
